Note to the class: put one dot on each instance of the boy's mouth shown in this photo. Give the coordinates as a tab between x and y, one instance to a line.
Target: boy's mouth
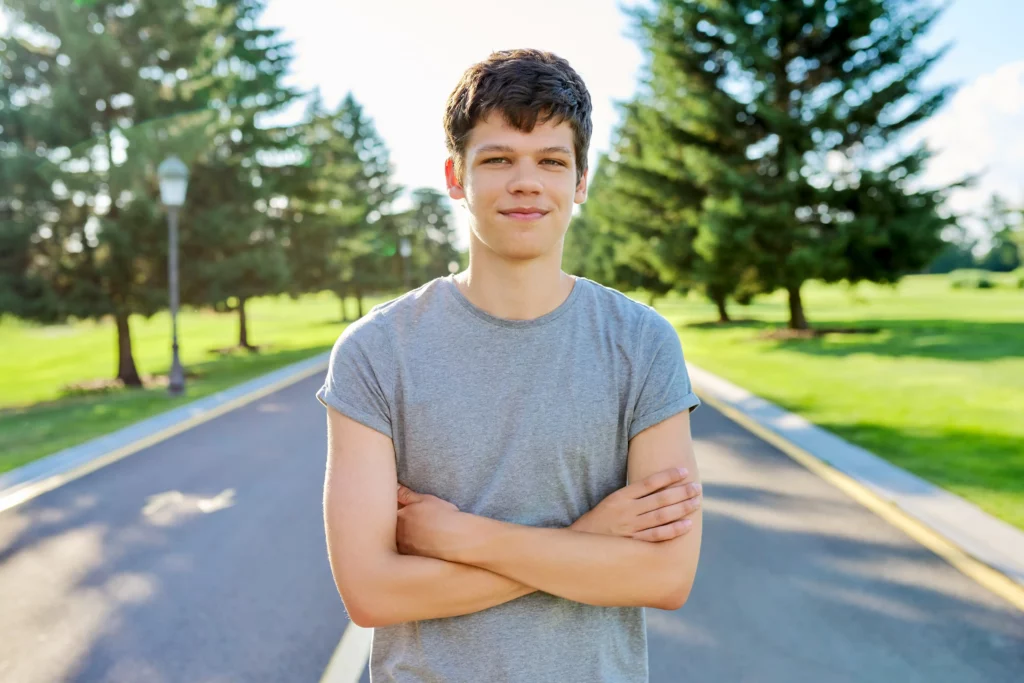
524	213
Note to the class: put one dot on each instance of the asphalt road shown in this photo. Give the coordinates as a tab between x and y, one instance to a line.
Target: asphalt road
202	560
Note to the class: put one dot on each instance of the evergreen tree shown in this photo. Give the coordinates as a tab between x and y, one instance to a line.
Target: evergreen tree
609	241
233	240
430	229
1003	224
92	96
677	220
957	252
820	94
325	204
344	234
375	257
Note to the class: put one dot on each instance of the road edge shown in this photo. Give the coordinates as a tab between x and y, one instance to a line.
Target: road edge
52	471
927	513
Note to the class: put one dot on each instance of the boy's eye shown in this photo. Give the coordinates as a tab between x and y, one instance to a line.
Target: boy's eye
553	161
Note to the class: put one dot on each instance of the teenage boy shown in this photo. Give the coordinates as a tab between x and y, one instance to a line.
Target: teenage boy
482	428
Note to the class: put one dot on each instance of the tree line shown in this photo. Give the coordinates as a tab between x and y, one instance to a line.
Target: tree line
94	95
768	146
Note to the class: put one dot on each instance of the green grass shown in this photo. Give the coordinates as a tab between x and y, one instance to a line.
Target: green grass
38	416
938	390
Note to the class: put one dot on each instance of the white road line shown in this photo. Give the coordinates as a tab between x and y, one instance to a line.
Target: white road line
350	657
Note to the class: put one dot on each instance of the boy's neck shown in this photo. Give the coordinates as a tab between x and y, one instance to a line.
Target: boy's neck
522	290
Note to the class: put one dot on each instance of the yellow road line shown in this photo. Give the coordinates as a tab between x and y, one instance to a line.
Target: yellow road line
984	575
38	488
350	657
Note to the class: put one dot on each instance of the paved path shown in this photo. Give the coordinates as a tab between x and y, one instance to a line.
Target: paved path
202	558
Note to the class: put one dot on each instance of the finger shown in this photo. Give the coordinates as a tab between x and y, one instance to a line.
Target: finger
667	514
666	532
656	482
670	496
406	495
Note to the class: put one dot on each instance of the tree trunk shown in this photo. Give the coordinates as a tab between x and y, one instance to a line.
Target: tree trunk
723	313
342	295
359	304
797	321
126	371
243	328
651	297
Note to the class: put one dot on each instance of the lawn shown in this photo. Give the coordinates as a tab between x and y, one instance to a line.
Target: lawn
39	416
938	389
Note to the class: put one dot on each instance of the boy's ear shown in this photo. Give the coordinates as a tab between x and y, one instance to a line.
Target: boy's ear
581	188
455	190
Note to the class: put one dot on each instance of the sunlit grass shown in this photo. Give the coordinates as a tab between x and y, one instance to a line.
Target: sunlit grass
938	389
38	416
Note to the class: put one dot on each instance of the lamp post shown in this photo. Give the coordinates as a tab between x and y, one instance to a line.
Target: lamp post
406	249
173	175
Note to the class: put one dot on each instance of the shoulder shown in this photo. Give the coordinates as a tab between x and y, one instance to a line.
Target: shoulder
617	308
377	325
642	323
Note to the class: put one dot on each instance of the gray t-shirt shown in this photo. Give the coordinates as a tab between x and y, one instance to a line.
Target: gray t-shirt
524	421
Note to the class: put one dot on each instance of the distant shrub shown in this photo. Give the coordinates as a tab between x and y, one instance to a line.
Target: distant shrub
972	279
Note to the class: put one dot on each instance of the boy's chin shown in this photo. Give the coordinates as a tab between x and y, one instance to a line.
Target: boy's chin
523	247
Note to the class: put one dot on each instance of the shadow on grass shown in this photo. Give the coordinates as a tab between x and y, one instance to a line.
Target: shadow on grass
331	323
951	458
938	339
719	325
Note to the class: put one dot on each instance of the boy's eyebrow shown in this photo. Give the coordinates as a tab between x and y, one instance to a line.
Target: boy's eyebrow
509	150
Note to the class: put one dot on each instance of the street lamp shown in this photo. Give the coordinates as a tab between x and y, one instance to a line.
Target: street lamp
173	175
406	249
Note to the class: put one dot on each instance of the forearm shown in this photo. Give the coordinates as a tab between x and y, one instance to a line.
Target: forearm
595	569
412	588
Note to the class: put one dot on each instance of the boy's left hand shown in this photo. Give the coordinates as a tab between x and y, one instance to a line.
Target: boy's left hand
427	525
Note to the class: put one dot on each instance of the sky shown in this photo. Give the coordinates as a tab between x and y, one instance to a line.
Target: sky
402	58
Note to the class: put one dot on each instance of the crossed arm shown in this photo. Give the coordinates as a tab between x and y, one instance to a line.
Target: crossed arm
465	563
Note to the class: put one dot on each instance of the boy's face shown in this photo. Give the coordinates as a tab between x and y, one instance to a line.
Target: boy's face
506	169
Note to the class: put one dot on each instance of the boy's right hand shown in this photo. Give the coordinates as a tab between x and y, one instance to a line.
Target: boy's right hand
649	510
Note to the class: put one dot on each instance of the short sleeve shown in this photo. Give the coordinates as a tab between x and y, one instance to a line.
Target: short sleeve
360	375
665	387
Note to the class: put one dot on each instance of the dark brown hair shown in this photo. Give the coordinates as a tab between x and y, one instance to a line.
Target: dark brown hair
523	86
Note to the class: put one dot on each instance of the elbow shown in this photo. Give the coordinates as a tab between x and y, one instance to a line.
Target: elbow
361	616
358	593
675	585
363	611
674	599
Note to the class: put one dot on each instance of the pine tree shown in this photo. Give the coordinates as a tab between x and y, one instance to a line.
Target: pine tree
233	240
429	227
376	260
1003	224
325	204
345	236
657	194
821	94
91	94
